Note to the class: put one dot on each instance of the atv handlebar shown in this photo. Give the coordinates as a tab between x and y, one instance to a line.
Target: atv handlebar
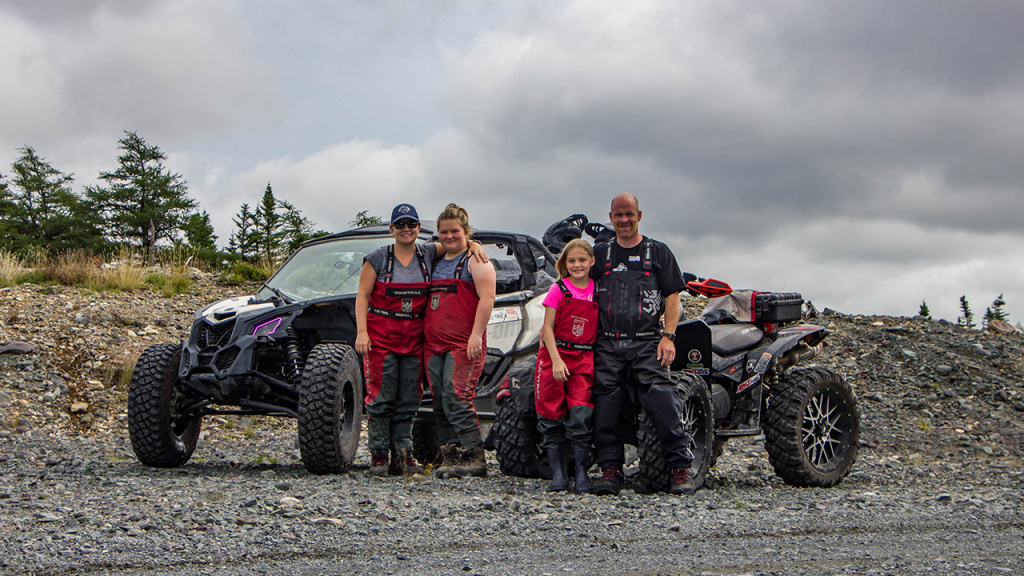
706	286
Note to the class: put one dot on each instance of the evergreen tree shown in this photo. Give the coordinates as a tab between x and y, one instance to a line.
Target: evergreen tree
199	232
967	320
42	188
267	225
364	219
996	312
8	217
45	210
273	231
9	235
142	203
296	227
242	241
924	311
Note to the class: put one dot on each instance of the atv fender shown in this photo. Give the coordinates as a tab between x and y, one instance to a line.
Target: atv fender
787	339
693	348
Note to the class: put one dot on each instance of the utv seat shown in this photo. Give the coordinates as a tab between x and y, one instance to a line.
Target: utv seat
731	338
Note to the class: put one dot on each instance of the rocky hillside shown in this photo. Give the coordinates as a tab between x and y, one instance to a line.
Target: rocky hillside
71	381
928	390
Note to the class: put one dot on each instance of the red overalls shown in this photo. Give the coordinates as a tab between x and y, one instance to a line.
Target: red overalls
575	333
395	321
451	311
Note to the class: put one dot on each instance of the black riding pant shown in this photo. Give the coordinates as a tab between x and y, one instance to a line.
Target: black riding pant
622	364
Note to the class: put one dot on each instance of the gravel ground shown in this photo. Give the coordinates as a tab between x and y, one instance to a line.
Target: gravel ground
80	506
937	488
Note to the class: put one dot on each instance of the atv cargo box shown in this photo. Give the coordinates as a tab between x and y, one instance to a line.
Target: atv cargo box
777	307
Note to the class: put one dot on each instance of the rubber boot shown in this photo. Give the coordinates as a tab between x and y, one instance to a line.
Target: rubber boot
472	462
559	481
449	458
582	456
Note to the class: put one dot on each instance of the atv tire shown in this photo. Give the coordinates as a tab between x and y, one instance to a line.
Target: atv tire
812	428
655	474
330	409
160	437
518	448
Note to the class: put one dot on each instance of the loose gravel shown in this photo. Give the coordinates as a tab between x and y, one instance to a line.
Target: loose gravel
937	487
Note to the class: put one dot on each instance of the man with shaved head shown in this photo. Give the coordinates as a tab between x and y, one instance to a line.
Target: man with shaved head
638	281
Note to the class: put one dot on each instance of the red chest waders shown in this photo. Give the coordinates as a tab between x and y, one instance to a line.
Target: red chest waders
564	410
451	311
393	366
575	332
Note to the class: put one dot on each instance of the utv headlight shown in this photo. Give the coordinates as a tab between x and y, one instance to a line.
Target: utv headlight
267	328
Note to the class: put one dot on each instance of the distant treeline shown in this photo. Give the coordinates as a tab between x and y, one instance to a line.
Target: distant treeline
139	204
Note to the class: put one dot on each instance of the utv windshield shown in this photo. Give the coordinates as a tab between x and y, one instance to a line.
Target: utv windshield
322	270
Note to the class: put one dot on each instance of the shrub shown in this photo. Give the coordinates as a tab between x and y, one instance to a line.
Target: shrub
12	268
118	375
242	271
73	268
178	282
174	281
123	273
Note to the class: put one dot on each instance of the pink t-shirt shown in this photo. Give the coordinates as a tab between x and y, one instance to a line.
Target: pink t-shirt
554	297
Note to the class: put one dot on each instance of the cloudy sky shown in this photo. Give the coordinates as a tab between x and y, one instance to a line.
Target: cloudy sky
867	154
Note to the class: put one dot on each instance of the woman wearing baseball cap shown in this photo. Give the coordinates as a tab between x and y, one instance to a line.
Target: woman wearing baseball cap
390	304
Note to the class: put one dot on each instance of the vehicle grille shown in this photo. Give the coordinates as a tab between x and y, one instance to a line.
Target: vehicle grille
225	358
186	357
210	337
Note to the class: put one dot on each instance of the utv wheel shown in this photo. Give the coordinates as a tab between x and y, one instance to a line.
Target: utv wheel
717	450
655	474
518	441
812	428
330	409
156	401
425	446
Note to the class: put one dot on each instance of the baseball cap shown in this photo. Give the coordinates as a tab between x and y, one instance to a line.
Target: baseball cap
404	212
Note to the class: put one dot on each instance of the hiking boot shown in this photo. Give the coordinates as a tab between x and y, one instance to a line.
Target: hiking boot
403	464
682	482
559	481
378	465
582	456
610	482
472	462
449	458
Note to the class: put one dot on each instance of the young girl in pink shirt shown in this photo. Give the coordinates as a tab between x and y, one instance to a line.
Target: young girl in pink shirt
565	365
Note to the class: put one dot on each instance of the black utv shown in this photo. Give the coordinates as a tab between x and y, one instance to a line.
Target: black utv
287	351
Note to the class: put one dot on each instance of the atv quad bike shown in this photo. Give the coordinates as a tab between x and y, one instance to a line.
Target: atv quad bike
736	373
288	351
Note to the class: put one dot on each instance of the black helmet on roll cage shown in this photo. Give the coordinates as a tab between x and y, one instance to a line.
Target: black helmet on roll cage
560	233
599	232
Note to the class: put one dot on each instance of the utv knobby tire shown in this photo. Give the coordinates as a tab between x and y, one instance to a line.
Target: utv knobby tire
330	409
518	449
812	428
426	448
655	473
155	398
717	450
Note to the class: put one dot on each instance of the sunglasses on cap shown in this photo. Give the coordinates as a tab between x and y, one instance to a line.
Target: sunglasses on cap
403	224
